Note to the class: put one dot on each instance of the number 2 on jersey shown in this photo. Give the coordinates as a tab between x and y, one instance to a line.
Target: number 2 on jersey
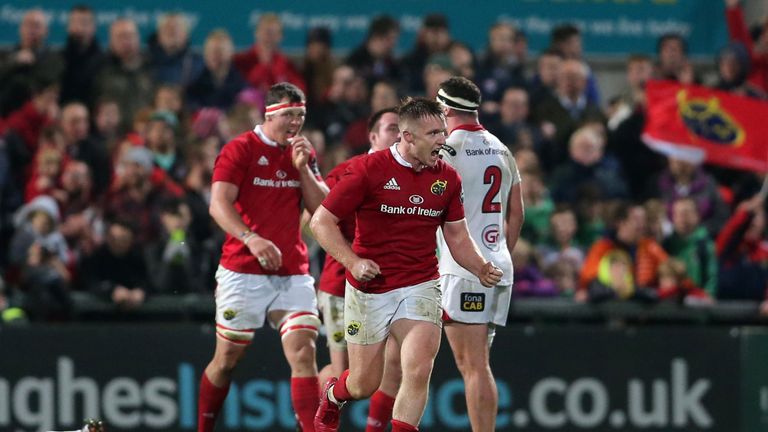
492	177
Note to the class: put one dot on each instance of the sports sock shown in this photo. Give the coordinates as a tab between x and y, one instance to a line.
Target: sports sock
209	403
399	426
305	401
340	392
379	412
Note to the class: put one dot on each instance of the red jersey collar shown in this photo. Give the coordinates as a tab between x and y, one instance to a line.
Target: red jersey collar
472	127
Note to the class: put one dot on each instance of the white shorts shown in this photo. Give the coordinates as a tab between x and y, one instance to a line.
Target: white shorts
469	302
367	317
243	300
332	309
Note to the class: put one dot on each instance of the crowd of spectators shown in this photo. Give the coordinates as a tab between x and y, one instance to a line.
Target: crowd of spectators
106	155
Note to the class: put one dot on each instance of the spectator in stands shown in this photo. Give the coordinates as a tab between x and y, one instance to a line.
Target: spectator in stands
512	126
561	115
437	71
24	124
116	270
625	124
692	245
173	259
29	60
75	129
383	96
125	76
529	280
345	105
263	64
733	67
463	60
433	38
743	253
561	245
374	60
171	59
219	83
40	257
81	222
755	43
82	56
566	38
538	204
138	190
623	264
319	65
587	168
659	226
673	64
675	284
48	164
106	124
500	68
544	82
687	179
161	141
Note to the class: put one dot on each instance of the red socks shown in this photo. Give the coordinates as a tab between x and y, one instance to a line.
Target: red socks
379	412
398	426
209	404
340	391
304	393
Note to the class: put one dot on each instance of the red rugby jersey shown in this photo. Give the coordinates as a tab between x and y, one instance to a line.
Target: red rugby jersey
269	201
397	211
333	279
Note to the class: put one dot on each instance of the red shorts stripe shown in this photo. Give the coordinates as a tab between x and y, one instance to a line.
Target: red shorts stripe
237	330
234	341
298	327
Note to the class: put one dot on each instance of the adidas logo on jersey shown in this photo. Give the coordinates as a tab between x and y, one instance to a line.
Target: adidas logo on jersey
263	161
392	185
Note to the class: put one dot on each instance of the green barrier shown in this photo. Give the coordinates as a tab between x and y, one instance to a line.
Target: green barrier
754	379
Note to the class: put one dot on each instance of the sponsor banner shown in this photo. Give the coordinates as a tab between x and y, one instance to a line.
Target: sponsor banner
145	377
610	27
754	379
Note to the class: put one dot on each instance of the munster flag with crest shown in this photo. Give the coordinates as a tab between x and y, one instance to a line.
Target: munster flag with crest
697	124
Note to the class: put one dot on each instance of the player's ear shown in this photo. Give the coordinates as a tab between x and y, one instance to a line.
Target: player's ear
407	136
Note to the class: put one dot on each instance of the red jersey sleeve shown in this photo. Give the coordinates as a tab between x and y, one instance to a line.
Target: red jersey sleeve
231	164
348	194
455	210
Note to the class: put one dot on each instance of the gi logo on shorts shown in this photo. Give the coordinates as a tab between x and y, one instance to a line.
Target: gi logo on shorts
338	336
438	187
490	237
229	314
353	328
472	302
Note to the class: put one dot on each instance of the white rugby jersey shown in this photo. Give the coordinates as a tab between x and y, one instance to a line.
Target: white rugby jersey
488	170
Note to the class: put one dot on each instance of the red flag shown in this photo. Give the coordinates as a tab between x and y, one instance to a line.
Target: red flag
698	123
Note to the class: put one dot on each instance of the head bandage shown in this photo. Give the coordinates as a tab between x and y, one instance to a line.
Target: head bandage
281	106
455	102
299	321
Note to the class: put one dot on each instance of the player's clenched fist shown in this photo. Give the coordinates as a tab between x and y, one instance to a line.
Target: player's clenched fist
365	270
302	150
490	275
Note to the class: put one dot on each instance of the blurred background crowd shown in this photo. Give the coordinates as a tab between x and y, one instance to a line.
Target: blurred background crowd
107	149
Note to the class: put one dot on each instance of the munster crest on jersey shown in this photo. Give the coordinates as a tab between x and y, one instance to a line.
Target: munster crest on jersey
438	187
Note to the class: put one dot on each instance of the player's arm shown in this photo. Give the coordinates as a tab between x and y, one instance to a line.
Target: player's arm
325	227
465	252
313	188
515	216
223	211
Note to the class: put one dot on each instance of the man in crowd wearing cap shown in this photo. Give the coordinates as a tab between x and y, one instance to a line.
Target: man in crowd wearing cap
260	180
399	197
494	212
